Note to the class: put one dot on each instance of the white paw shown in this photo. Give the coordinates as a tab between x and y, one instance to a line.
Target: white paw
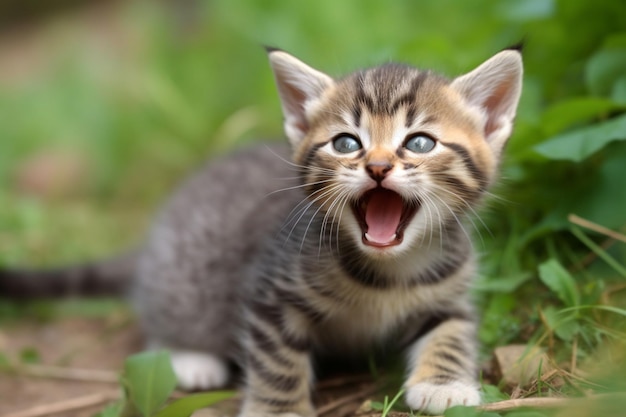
199	371
435	399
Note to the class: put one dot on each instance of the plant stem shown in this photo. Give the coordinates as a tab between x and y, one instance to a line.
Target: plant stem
598	251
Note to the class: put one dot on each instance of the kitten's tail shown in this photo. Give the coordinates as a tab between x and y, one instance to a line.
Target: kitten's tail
108	277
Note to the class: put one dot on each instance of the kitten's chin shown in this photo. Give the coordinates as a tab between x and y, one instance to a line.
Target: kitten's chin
383	216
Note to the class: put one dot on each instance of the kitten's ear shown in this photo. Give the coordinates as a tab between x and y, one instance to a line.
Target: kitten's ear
494	88
299	87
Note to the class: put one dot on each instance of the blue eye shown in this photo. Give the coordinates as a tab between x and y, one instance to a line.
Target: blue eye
346	144
420	143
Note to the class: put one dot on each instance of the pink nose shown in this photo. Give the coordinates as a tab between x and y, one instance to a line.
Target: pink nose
378	170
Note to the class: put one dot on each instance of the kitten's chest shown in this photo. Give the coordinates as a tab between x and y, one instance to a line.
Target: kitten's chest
360	317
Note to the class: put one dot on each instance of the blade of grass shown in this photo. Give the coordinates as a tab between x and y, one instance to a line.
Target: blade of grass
611	309
598	251
389	404
186	406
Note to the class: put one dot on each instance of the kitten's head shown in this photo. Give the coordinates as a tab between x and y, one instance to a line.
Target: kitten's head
394	154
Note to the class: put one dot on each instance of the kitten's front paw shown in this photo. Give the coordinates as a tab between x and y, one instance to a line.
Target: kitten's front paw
436	398
199	371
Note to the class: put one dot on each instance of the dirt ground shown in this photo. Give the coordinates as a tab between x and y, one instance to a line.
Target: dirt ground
77	361
74	357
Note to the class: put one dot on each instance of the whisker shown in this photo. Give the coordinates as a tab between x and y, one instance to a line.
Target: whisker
331	193
431	208
295	187
471	210
346	199
328	214
326	192
296	210
332	210
459	222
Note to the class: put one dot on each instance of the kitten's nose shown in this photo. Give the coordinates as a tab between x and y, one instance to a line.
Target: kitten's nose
378	170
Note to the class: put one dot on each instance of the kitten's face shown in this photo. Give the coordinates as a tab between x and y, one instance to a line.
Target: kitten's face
393	154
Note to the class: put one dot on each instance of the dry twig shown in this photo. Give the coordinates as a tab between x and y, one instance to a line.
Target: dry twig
535	402
360	395
67	405
573	361
75	374
596	227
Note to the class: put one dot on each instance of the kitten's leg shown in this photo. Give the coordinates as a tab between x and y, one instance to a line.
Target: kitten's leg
443	367
277	365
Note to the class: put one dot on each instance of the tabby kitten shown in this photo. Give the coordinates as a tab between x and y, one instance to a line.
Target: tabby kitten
364	246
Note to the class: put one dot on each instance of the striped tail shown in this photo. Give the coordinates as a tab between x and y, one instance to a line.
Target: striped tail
108	277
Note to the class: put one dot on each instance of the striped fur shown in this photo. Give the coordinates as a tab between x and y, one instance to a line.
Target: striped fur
333	289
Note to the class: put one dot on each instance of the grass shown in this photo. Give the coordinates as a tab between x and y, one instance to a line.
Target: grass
137	94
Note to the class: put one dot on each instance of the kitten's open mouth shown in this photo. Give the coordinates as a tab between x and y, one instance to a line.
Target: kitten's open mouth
383	215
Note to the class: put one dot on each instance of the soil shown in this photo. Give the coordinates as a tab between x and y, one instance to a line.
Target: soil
86	351
90	344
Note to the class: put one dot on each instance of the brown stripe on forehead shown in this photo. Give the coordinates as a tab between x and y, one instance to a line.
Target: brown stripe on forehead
383	90
356	113
361	97
375	88
408	97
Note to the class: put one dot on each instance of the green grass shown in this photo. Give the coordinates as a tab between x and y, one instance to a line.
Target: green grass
151	92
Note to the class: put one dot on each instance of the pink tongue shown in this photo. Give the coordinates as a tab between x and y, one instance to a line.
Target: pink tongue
382	216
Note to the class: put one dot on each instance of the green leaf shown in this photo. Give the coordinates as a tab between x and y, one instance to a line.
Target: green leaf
575	111
618	94
186	406
149	379
492	394
603	190
111	410
499	326
30	355
555	277
377	405
528	10
581	143
604	68
504	284
462	411
564	326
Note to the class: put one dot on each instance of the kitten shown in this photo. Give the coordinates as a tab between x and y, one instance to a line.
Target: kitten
357	242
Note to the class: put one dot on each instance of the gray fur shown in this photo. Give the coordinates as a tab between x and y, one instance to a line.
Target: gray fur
191	271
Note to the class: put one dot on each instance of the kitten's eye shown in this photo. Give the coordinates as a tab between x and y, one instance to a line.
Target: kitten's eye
420	143
346	144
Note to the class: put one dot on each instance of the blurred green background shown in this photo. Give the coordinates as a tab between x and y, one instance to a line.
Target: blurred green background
104	106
